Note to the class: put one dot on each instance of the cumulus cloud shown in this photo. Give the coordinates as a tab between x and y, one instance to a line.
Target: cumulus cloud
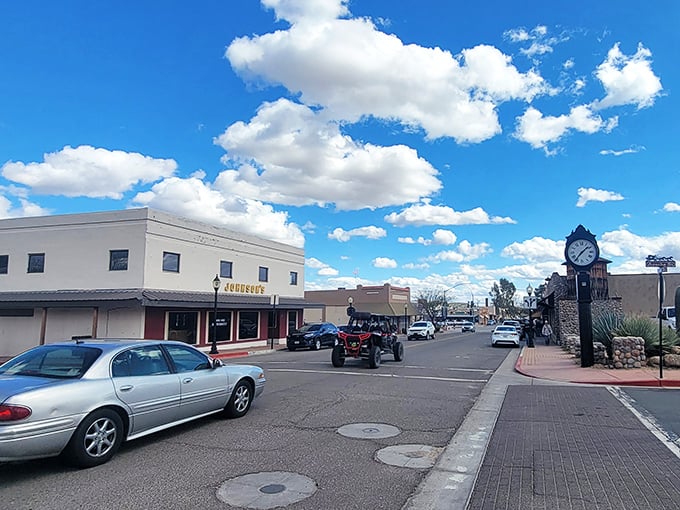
671	207
439	236
88	172
193	198
354	71
465	251
25	208
322	268
535	250
427	214
384	263
287	154
370	232
295	10
628	79
586	195
539	130
635	248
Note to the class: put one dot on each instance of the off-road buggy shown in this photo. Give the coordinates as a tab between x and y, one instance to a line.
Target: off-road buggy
367	336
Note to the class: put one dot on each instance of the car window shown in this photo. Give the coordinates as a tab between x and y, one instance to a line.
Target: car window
187	359
138	361
506	329
420	324
54	361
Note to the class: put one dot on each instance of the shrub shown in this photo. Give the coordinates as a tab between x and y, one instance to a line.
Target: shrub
604	326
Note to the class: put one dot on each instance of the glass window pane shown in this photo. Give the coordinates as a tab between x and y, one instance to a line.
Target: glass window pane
247	325
36	262
225	269
118	260
264	274
293	278
4	264
171	262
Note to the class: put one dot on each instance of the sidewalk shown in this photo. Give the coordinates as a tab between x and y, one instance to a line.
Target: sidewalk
551	362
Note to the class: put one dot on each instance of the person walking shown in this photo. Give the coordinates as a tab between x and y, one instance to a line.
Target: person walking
547	333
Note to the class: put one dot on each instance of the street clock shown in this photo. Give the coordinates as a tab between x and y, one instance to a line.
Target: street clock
581	250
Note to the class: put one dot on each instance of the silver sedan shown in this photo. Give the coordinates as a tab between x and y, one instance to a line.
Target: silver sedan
82	399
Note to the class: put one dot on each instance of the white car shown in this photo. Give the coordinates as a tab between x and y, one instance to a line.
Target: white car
420	330
467	326
505	334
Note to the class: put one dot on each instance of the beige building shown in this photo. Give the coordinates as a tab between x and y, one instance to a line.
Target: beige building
141	273
639	292
387	300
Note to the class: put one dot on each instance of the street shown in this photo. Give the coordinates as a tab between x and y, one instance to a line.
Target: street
359	438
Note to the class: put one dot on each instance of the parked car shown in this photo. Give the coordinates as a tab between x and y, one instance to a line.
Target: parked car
313	336
467	326
82	399
420	330
505	334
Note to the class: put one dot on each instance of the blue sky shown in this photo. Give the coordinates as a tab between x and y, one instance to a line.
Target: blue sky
423	143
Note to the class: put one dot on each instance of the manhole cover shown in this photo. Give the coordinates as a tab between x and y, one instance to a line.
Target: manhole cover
415	456
266	490
368	430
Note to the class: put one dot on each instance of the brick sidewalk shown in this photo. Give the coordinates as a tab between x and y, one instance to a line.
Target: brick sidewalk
571	447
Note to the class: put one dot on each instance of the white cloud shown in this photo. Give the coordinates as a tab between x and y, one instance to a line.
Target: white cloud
370	232
671	207
632	150
586	195
413	265
465	251
635	248
628	79
296	10
384	263
354	71
193	198
441	236
538	130
89	172
26	208
289	155
427	214
536	250
322	268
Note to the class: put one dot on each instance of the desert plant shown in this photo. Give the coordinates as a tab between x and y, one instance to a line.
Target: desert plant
604	326
648	329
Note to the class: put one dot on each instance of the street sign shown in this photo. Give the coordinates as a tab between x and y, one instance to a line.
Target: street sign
530	302
663	262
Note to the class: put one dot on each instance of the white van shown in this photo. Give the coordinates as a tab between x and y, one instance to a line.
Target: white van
668	317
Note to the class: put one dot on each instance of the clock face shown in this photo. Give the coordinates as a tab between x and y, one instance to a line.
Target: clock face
582	252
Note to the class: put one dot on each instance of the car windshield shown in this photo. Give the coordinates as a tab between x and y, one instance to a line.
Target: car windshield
54	361
670	313
419	325
310	327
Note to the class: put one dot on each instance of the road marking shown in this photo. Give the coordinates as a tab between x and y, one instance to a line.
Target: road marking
412	367
394	376
646	419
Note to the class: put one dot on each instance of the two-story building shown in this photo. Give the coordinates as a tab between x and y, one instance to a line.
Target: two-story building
141	273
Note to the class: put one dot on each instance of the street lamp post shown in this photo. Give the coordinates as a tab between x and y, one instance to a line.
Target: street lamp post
530	329
405	318
216	286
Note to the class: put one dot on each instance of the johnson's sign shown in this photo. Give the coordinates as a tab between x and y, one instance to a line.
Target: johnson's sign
244	288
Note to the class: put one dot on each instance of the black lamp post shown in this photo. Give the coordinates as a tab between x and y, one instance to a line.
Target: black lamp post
405	317
216	285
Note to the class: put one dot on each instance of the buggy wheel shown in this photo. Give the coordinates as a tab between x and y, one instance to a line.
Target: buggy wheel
317	345
374	356
398	351
338	356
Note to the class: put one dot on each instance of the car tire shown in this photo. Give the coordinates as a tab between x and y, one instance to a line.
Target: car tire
240	400
374	356
338	356
317	345
95	440
398	351
291	348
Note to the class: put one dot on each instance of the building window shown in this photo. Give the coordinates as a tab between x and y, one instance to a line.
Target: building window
264	274
4	264
293	277
36	262
171	262
118	260
247	325
182	326
225	269
223	328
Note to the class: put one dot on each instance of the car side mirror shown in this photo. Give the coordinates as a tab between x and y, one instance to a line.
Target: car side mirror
215	363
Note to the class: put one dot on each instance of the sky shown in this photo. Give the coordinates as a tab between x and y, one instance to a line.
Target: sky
427	144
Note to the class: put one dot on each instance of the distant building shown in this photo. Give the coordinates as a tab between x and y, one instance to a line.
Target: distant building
394	302
140	273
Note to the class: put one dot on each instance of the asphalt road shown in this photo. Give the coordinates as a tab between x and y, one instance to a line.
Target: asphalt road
291	429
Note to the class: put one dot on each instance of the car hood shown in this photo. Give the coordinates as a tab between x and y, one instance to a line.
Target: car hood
12	384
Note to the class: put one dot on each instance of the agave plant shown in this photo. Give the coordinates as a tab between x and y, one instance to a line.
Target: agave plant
604	326
649	330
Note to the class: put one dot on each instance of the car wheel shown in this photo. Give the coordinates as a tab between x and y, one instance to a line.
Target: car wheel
317	344
291	348
398	350
240	400
96	439
374	357
338	356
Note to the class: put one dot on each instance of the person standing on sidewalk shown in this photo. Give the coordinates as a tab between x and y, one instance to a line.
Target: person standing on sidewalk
547	333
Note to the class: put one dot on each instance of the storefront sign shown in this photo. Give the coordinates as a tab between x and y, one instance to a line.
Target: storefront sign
244	288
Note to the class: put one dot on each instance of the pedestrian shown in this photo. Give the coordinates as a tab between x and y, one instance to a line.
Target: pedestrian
547	333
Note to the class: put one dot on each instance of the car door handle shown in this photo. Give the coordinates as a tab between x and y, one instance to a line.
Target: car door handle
187	380
127	387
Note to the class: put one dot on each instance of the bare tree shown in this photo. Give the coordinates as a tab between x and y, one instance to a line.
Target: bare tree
503	298
431	302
